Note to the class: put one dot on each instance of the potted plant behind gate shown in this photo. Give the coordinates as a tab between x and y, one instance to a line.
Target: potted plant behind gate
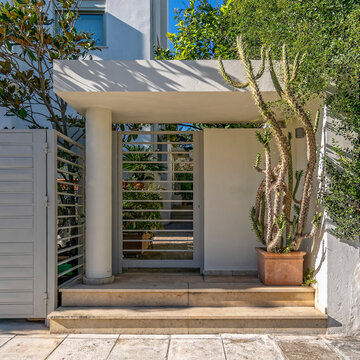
141	199
278	218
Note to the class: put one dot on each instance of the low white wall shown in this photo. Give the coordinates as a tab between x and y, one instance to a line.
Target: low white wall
343	285
230	185
337	266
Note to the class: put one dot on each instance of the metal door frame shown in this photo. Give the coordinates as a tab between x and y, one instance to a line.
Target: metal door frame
118	262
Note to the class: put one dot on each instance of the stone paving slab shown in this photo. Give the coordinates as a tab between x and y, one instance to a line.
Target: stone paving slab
84	349
295	348
349	349
29	348
39	345
196	349
5	338
149	348
248	347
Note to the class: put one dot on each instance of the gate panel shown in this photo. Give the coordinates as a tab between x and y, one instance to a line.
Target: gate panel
66	214
159	199
22	224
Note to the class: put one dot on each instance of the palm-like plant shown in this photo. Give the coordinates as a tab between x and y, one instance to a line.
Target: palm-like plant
139	158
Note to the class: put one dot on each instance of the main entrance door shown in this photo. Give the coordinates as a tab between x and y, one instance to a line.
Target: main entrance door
159	207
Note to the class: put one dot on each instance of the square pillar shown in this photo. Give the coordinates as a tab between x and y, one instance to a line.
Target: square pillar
98	269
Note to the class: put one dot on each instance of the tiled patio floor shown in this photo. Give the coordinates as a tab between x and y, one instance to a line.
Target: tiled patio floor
32	341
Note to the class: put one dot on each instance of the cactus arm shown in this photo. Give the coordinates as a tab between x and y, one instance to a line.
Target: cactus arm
301	114
256	226
262	65
259	196
314	229
316	123
269	208
285	65
289	195
262	214
237	84
229	79
296	66
281	142
274	77
298	176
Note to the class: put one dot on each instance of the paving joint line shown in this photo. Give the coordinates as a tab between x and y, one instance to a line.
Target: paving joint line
223	346
334	349
112	348
276	346
168	348
52	351
12	337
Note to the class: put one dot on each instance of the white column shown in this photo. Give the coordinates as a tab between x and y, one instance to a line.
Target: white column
98	196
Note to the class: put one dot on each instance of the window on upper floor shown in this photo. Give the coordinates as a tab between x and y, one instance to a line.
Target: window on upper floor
91	19
93	23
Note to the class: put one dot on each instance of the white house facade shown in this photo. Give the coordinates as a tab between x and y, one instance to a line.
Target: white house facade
150	233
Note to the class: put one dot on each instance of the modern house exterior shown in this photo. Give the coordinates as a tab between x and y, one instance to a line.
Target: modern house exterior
91	232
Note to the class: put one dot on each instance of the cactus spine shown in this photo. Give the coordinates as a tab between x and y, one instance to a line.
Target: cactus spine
276	196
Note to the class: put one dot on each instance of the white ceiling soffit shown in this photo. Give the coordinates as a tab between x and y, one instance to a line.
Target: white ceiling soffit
150	91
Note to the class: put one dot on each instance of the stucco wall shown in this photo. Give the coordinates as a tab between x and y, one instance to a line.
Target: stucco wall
128	34
230	185
337	265
343	285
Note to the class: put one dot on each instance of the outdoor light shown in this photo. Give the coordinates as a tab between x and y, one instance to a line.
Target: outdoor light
299	133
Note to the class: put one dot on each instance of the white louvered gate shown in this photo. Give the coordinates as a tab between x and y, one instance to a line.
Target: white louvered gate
42	223
23	224
158	197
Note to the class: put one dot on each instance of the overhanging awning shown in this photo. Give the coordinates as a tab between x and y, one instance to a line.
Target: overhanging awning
150	91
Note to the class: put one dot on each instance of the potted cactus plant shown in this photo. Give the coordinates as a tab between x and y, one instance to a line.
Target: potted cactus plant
278	218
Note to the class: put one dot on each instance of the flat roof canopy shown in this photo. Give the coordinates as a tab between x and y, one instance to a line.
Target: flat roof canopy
150	91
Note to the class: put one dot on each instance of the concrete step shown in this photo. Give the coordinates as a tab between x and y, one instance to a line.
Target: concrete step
187	320
197	294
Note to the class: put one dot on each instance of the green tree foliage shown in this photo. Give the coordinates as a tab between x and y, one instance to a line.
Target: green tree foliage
341	194
329	32
29	42
203	32
140	160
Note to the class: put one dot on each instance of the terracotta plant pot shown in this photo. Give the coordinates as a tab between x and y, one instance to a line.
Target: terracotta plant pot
280	269
136	245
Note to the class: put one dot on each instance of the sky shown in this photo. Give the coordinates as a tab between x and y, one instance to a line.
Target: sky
181	4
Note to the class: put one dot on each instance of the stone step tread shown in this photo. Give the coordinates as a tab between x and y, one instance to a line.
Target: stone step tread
184	313
124	287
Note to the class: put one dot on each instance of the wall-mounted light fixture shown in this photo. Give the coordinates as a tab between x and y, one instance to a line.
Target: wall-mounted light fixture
299	133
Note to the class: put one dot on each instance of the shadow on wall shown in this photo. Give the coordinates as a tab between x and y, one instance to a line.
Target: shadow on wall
122	41
315	250
333	323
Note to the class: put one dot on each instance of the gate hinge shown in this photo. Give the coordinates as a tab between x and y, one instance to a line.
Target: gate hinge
46	201
46	297
46	148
